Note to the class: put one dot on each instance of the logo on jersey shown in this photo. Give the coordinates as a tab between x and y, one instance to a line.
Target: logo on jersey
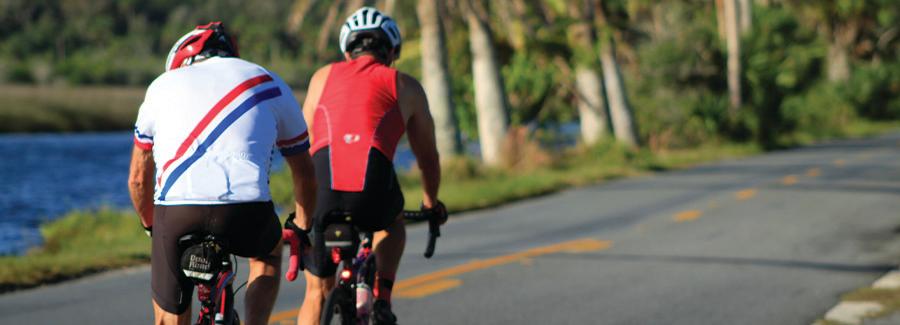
351	138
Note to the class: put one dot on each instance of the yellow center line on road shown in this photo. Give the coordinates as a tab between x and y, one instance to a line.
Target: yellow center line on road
687	215
840	162
429	288
745	194
813	172
441	280
789	180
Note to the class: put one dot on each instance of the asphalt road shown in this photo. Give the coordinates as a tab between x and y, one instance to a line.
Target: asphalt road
773	239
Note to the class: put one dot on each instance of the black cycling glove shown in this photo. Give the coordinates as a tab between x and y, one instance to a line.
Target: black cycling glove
438	209
303	234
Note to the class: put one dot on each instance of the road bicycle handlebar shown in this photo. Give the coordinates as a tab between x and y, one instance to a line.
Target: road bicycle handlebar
434	226
298	239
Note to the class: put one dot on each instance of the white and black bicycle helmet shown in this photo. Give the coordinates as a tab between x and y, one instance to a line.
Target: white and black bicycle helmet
369	21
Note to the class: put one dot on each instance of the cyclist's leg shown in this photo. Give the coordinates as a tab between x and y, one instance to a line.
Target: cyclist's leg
171	291
252	230
319	280
320	268
164	317
383	201
262	287
317	289
389	245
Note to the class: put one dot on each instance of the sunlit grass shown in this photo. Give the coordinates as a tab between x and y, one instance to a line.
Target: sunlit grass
76	244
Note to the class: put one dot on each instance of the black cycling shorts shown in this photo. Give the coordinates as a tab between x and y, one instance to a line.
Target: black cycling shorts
375	208
247	229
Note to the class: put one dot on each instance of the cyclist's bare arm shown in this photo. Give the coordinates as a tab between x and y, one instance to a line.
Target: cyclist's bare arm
302	168
313	94
140	184
304	180
420	128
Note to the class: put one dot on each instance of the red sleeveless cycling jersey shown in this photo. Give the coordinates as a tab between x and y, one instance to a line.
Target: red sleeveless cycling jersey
357	112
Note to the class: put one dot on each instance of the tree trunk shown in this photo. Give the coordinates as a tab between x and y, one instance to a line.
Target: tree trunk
326	31
720	19
588	83
746	16
591	106
436	79
622	119
616	97
514	20
386	6
841	38
490	95
298	14
354	5
734	54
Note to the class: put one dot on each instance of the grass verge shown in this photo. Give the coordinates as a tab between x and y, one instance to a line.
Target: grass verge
77	244
889	299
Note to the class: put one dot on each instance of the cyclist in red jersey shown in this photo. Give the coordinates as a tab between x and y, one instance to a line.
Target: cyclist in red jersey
358	110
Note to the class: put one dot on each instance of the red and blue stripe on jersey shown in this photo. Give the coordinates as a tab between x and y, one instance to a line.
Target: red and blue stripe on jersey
217	130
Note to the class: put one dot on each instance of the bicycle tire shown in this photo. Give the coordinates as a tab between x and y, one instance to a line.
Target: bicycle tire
337	304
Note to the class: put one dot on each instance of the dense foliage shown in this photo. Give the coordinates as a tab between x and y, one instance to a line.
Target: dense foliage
671	55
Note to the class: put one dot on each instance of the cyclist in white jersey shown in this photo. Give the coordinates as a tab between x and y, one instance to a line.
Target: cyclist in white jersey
204	142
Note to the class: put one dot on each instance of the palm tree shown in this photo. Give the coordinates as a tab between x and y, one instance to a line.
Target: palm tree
619	110
591	103
729	23
436	78
490	95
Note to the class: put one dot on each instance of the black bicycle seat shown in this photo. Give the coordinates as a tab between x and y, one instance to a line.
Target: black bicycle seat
202	256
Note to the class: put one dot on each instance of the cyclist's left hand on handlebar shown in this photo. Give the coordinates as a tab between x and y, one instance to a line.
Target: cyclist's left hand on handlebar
440	210
298	240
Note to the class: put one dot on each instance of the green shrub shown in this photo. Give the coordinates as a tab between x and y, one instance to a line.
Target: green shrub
820	112
874	89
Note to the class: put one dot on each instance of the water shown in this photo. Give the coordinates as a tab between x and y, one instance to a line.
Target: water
44	176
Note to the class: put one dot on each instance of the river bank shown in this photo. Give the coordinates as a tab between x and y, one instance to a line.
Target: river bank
90	241
31	109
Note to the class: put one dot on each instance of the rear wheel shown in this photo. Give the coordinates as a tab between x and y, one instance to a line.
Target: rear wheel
339	308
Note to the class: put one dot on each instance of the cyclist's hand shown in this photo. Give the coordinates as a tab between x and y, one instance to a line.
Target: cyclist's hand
301	233
148	230
298	240
439	210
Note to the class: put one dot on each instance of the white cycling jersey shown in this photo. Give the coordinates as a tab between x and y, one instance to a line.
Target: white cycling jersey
213	127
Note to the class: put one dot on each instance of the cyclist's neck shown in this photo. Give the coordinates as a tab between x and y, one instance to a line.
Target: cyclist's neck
370	57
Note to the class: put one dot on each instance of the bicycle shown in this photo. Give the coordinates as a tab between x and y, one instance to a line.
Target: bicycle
205	260
352	298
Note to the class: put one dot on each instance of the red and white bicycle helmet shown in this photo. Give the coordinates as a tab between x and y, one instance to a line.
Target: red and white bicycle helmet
370	21
204	41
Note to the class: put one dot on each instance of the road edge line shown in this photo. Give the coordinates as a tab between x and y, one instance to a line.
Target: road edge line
854	312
